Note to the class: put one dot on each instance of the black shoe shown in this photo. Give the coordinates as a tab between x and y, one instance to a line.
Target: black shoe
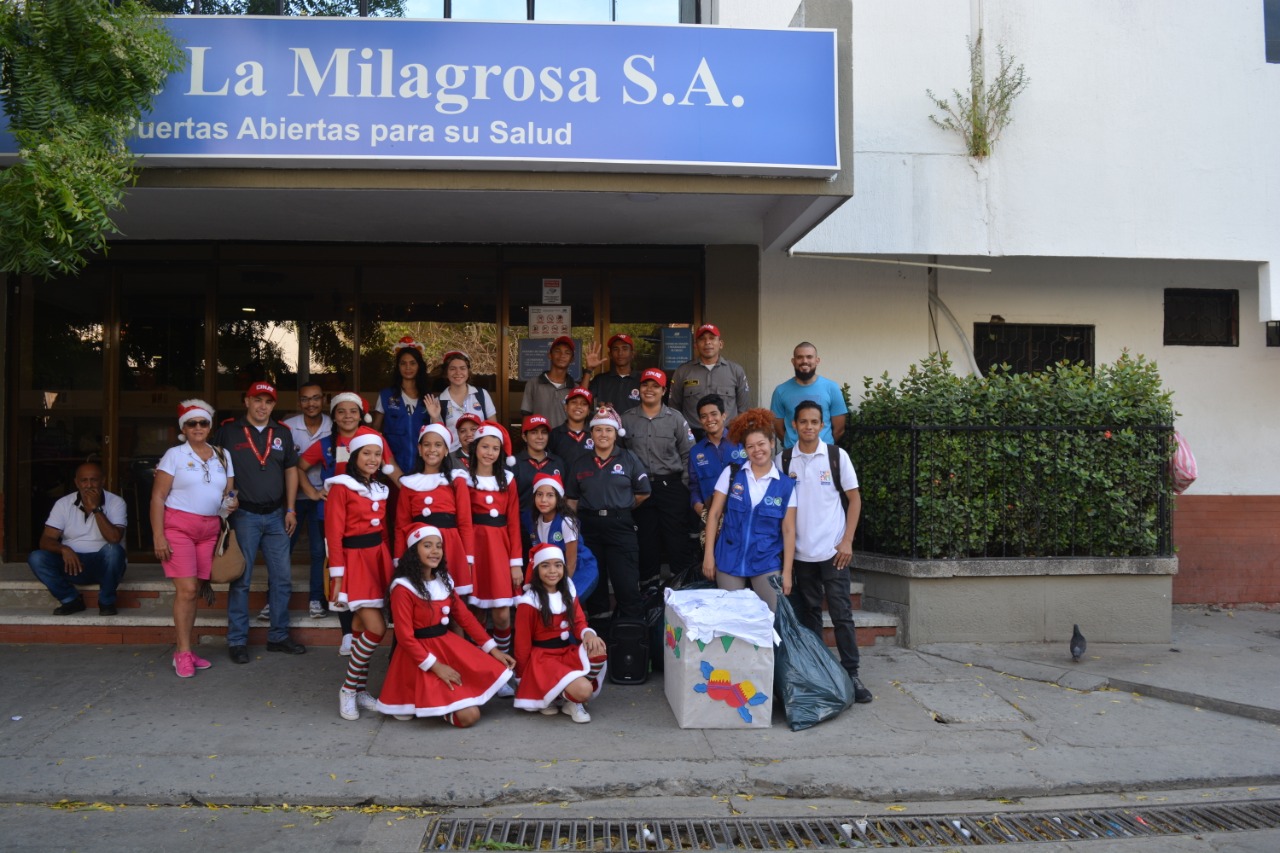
287	645
861	694
238	654
75	605
108	610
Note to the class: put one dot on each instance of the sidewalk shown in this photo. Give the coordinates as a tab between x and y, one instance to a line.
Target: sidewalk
113	724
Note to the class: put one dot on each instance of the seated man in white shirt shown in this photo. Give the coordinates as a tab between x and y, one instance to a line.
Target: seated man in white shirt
82	544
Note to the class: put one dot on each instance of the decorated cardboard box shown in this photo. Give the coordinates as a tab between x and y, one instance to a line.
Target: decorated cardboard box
718	659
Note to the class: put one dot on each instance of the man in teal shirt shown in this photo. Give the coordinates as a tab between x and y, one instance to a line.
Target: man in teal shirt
808	385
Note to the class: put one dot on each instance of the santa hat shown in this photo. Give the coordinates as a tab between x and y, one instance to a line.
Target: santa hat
540	554
552	480
436	429
607	416
368	438
351	397
491	429
421	532
191	409
407	342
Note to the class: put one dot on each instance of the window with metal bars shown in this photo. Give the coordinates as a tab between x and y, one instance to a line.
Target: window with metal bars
1201	318
1030	347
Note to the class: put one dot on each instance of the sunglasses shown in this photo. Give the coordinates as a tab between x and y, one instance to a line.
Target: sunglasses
197	424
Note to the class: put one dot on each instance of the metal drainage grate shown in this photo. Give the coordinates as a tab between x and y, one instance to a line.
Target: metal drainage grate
959	830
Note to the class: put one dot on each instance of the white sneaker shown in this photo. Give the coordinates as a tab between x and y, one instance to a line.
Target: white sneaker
402	716
549	711
264	615
317	610
366	701
506	691
347	707
576	712
345	647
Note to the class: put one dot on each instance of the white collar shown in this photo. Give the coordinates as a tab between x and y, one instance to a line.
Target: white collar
436	590
377	491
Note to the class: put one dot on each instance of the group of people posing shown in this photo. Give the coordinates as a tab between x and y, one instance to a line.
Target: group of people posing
489	563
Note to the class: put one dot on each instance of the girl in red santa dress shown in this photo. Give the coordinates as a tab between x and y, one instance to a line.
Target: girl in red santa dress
359	563
495	522
435	495
435	672
559	659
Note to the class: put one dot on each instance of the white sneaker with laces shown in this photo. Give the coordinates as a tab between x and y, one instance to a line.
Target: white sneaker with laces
506	691
549	711
366	701
264	615
317	610
576	711
403	716
347	707
345	647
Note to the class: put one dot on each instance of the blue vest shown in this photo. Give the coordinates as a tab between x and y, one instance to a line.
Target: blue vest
587	572
750	540
400	428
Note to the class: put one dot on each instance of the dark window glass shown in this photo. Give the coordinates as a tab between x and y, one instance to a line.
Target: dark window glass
1273	334
577	293
643	304
1271	27
1201	318
1030	347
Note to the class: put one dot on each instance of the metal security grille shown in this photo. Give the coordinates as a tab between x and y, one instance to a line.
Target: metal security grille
959	830
1201	318
1030	347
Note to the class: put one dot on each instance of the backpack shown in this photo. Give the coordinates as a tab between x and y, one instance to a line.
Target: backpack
833	459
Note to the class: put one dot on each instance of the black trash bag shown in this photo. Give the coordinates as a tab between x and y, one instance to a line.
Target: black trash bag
655	612
807	680
691	578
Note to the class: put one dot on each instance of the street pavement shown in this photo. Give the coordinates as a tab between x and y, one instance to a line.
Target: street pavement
104	748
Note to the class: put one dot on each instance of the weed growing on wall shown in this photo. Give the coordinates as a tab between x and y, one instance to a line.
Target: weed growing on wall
981	113
1068	462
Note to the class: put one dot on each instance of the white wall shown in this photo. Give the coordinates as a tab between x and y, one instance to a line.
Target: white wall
1148	130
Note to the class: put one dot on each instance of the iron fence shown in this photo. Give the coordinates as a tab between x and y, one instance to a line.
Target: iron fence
952	492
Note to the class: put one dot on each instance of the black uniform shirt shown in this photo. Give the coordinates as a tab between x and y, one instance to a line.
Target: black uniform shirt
609	483
260	458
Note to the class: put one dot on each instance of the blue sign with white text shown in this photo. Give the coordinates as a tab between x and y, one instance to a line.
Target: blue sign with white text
598	97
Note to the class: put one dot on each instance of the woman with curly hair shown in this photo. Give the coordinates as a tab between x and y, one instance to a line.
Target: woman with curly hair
758	506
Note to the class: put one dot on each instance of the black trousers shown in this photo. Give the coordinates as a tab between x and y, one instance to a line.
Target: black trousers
613	540
810	584
663	524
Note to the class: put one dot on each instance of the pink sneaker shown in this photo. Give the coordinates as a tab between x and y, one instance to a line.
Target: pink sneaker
183	665
199	662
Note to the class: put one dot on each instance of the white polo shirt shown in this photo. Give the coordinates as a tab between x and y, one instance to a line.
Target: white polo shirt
820	516
80	533
302	439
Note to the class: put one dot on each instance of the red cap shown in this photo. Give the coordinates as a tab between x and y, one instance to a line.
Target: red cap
578	392
468	416
563	339
257	389
707	328
653	374
534	422
625	339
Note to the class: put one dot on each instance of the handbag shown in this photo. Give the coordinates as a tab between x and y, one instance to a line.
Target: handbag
228	559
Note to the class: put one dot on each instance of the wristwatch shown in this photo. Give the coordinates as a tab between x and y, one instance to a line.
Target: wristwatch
96	510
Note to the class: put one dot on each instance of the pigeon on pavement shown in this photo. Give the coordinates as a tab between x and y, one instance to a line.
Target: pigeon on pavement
1078	644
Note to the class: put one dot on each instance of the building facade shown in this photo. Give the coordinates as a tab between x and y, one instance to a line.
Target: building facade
1129	205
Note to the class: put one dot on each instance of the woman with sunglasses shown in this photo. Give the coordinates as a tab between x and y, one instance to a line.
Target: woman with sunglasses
192	481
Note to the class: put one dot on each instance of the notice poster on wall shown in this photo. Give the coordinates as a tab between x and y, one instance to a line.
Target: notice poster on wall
551	290
550	321
535	358
677	347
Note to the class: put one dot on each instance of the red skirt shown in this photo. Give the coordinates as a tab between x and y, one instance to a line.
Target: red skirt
365	581
410	690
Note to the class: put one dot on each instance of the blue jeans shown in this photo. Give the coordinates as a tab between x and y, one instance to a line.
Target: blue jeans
104	567
309	517
255	531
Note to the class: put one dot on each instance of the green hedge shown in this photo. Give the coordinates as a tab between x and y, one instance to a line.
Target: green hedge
1068	462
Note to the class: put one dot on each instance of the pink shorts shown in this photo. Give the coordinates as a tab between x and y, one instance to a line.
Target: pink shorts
191	539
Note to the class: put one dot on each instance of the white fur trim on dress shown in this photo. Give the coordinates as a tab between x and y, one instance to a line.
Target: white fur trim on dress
429	661
489	646
436	591
489	603
375	491
441	710
554	693
364	603
337	571
425	482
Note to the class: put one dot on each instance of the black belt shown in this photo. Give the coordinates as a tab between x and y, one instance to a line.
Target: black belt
443	520
490	520
259	509
429	633
364	540
607	513
556	644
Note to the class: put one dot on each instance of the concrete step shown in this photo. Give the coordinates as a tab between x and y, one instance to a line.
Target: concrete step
145	601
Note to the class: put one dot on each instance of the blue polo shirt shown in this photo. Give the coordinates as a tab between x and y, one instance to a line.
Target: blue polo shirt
791	393
706	461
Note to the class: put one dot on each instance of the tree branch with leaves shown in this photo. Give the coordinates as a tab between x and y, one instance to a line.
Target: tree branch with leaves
980	114
75	77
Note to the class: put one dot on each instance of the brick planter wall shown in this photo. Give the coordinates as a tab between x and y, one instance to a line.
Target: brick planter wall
1228	549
